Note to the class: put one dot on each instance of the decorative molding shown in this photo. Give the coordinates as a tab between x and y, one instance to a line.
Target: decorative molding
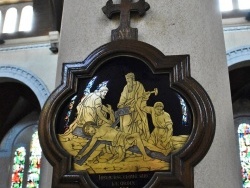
238	55
236	28
25	47
31	80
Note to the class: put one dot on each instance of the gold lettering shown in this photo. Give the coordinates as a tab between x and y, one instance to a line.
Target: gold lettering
127	183
115	183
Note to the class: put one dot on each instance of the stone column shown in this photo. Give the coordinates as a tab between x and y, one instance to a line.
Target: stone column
175	27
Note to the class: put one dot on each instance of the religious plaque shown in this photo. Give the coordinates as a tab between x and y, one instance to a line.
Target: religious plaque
126	117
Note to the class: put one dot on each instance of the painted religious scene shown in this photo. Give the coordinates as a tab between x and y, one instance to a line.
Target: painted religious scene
124	123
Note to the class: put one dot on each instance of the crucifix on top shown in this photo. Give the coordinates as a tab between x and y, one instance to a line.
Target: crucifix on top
124	31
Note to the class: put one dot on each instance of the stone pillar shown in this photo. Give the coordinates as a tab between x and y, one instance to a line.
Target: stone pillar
175	27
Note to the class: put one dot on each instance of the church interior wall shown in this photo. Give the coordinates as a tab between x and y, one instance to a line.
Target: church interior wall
30	62
237	37
22	105
35	57
174	30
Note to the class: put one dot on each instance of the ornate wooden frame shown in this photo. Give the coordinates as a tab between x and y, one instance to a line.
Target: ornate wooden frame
178	67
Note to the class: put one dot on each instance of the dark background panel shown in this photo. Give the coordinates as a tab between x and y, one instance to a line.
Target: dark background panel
114	72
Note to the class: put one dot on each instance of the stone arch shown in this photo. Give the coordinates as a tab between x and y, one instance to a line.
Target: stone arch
41	91
238	55
26	77
238	61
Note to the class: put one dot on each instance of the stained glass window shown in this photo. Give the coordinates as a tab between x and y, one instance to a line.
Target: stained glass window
18	168
34	162
244	145
27	175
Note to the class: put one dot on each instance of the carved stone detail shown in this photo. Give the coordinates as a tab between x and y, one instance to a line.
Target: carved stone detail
238	55
237	28
32	81
33	46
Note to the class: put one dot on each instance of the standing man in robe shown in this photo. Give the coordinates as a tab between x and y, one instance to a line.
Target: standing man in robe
131	97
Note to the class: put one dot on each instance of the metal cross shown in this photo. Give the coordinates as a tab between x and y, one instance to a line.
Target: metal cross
124	31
